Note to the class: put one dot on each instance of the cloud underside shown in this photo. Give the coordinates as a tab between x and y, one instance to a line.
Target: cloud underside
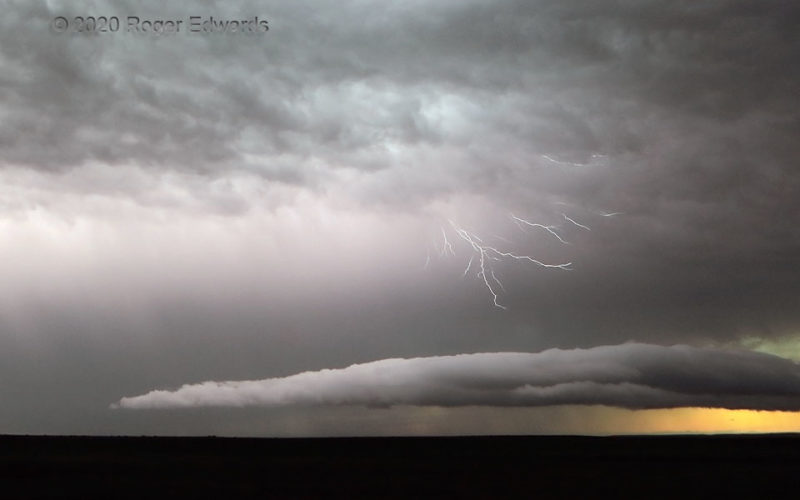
635	376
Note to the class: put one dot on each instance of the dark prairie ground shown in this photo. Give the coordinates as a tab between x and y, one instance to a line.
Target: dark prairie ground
440	467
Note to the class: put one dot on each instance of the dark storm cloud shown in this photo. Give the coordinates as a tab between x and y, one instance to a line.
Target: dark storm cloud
636	376
337	84
693	106
215	207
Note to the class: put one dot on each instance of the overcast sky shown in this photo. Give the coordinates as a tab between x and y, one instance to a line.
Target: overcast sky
394	186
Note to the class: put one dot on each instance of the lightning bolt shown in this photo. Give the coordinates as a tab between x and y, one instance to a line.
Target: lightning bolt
574	164
487	254
497	280
482	252
446	246
549	229
577	224
483	255
469	264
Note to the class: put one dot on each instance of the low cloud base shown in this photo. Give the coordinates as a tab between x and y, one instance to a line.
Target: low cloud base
634	376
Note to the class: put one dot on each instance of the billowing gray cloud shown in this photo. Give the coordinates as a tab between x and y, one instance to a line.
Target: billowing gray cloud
629	375
186	207
420	100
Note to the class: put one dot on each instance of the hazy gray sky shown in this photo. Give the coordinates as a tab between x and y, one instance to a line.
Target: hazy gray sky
191	207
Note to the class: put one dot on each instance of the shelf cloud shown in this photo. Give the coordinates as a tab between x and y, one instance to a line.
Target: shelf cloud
635	376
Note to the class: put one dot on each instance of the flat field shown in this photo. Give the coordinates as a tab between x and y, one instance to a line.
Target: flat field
403	467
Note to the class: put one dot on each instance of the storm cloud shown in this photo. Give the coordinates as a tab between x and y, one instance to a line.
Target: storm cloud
193	207
635	376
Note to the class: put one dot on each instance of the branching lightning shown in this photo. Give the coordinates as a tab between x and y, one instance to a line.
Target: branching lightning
446	246
549	229
497	280
484	255
487	254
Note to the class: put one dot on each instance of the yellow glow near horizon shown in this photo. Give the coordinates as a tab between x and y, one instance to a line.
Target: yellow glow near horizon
695	420
586	420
